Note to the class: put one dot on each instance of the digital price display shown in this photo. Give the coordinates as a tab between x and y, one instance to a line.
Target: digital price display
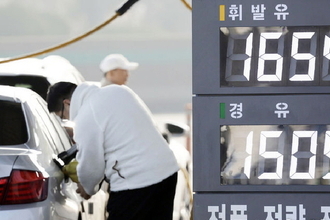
275	154
274	56
261	105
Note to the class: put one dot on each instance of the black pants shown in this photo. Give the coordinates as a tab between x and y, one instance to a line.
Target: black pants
154	202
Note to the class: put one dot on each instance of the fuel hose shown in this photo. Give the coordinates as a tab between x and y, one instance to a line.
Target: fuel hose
123	9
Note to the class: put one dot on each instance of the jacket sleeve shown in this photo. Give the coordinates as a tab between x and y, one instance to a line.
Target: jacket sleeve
91	162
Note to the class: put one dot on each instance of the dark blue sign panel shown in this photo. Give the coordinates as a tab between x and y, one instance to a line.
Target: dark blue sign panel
261	47
261	206
261	143
261	125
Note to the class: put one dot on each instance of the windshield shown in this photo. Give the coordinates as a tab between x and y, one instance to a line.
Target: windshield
38	84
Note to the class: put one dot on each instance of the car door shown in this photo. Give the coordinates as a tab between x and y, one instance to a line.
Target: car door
63	188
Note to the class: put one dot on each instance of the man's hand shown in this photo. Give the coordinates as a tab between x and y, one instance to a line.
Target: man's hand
82	192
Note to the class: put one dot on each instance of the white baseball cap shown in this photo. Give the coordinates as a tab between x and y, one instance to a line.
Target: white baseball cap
116	61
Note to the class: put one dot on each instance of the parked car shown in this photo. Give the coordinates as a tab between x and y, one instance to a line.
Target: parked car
183	199
38	74
32	186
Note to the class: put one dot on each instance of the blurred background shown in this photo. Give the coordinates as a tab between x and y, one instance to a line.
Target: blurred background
156	34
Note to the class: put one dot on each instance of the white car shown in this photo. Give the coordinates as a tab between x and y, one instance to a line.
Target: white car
38	74
183	199
31	185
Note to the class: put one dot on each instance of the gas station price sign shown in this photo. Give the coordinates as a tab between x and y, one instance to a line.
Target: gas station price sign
261	109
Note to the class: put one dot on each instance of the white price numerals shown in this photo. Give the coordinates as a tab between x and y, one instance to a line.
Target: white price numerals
296	155
302	64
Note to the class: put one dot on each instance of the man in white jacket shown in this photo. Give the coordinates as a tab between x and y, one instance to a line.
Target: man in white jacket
117	139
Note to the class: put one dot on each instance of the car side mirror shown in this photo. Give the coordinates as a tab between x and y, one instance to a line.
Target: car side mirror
177	129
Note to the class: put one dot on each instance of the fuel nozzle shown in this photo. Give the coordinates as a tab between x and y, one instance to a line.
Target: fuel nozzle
66	157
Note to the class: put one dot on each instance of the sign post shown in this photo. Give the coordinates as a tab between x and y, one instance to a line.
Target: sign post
261	106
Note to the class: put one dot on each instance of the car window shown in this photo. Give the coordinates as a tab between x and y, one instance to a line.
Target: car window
12	124
64	136
46	126
59	132
38	84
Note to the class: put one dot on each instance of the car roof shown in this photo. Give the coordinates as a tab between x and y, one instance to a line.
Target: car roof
25	66
15	94
55	68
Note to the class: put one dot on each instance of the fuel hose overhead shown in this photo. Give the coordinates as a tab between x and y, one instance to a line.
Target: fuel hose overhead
123	9
187	4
